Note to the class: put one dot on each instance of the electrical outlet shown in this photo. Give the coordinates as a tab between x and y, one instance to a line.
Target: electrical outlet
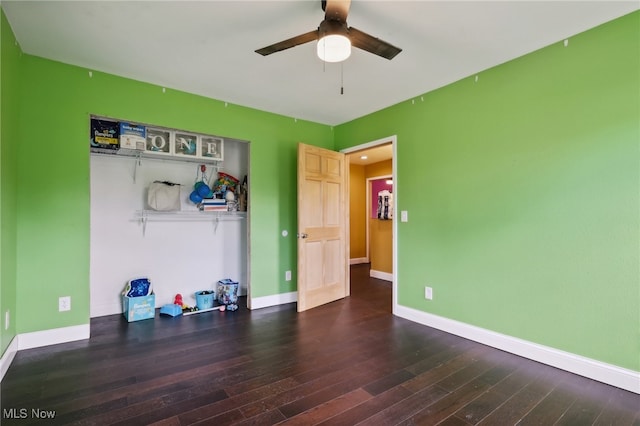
287	276
64	303
7	317
428	293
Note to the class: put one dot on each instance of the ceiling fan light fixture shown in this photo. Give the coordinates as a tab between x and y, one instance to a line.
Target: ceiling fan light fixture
334	44
335	38
334	48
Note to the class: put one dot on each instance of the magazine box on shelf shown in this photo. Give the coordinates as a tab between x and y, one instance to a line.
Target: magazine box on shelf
133	136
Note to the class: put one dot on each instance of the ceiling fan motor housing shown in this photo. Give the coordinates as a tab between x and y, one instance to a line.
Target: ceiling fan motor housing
331	27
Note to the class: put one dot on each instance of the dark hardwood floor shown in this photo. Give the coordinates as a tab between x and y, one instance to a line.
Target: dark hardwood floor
344	363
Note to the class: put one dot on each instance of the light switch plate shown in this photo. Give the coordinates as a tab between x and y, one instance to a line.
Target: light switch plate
428	293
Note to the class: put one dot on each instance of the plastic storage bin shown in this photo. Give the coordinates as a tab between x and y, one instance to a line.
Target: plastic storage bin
204	299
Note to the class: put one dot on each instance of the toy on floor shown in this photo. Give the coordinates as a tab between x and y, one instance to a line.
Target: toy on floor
171	309
178	300
185	308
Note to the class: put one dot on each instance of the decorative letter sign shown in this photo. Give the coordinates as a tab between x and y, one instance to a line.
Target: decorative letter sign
108	135
211	147
158	141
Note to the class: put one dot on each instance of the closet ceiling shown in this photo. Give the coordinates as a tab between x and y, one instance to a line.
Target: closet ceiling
207	47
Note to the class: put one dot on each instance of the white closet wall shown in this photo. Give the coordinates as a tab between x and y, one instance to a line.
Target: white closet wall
179	256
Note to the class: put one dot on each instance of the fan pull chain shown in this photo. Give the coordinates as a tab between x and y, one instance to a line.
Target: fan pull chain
324	63
342	78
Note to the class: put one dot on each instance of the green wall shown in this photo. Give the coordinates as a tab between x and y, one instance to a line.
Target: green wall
53	168
523	195
9	98
523	189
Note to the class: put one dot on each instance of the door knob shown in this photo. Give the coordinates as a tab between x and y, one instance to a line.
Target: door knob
303	235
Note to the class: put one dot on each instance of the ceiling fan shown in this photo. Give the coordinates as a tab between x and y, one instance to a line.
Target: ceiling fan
335	38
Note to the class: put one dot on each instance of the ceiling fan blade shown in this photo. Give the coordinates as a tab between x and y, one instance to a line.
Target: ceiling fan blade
336	10
372	44
288	43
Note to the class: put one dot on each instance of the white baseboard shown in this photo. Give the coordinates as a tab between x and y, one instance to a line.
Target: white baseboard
37	339
358	260
276	299
381	275
7	357
587	367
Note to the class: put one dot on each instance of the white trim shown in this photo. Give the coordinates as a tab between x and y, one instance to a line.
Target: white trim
54	336
368	145
358	260
394	225
587	367
381	275
273	300
7	357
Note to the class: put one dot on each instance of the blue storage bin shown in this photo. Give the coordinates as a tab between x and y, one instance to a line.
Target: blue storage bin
204	299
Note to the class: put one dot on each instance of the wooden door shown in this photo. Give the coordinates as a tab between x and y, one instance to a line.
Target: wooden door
323	270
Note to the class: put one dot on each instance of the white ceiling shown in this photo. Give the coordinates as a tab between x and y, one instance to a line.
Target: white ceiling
207	47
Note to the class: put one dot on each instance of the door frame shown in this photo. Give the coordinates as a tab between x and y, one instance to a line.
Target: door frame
394	144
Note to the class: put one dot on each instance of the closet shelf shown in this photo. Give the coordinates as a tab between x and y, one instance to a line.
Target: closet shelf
188	215
144	216
138	156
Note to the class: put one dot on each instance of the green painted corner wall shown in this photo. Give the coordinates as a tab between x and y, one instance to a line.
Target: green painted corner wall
53	168
9	98
523	189
523	193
